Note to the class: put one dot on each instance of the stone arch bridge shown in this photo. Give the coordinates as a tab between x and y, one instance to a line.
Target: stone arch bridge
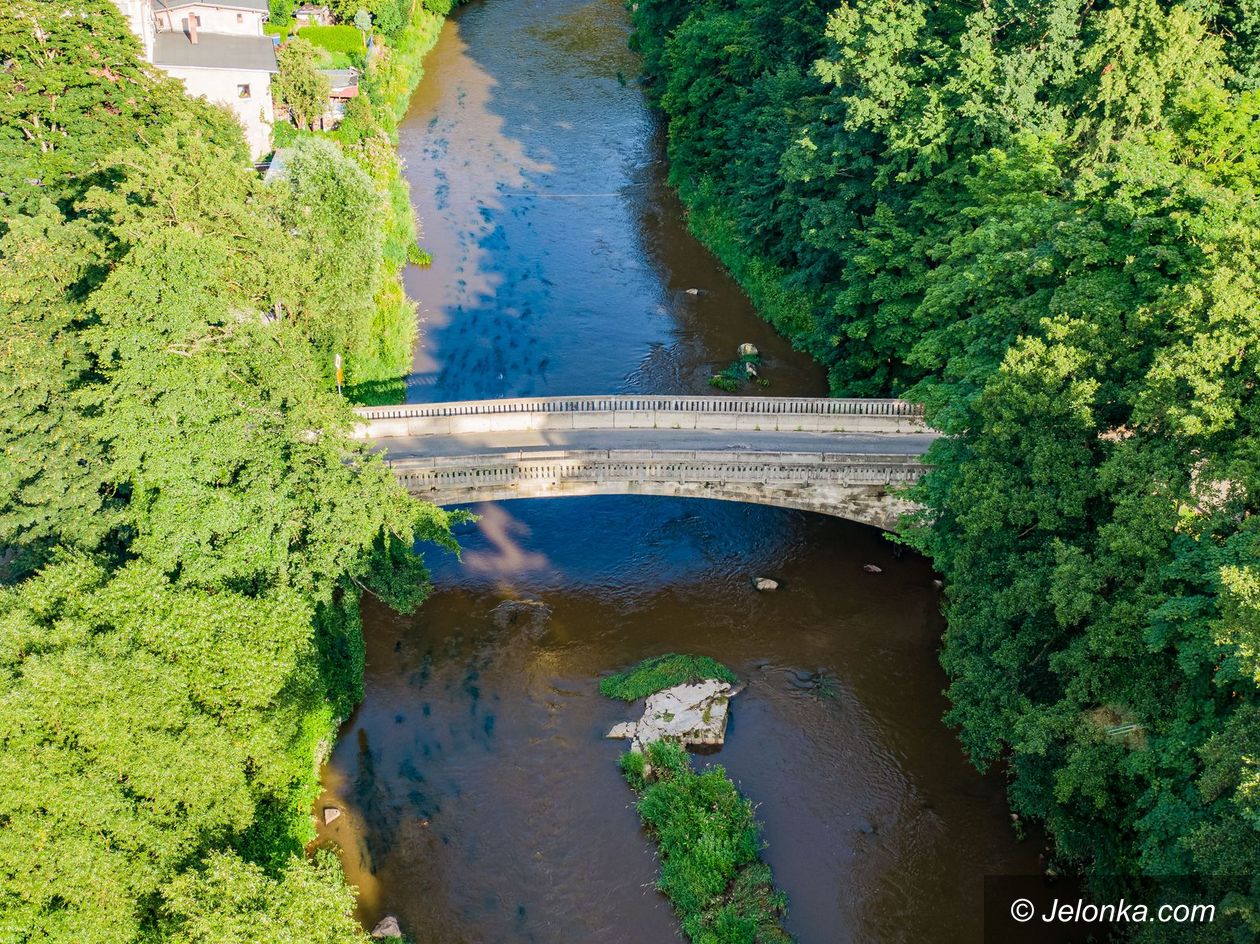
848	458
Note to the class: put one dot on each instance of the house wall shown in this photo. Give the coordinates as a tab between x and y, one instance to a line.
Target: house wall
214	19
139	14
220	85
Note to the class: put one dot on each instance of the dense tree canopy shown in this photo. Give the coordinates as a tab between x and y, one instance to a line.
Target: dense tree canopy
186	523
1040	218
141	723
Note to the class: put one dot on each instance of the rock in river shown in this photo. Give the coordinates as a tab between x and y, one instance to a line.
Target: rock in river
765	583
529	615
692	713
330	814
387	927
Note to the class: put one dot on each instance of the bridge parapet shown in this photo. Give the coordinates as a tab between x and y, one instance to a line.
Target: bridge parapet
806	414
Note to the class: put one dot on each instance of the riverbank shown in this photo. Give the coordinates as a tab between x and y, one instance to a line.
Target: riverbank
931	229
393	73
177	539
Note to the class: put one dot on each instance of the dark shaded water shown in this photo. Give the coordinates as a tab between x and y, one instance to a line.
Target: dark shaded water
481	802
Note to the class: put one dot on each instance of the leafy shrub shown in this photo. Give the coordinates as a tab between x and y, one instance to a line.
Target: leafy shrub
653	675
390	16
281	15
734	376
710	842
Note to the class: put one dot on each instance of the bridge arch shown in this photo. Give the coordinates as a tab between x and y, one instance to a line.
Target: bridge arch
860	488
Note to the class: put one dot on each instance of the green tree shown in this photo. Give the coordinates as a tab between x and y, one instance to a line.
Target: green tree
1039	218
281	12
389	16
52	473
188	522
333	209
299	84
74	89
180	718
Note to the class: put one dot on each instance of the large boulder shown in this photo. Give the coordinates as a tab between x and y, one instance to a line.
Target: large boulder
692	713
387	927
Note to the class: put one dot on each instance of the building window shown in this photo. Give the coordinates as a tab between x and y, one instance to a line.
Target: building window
198	19
240	17
242	91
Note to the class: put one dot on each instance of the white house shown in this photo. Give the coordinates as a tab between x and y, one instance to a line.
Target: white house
233	17
218	50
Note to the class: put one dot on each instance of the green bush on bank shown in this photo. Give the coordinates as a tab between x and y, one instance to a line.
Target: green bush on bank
370	132
661	672
377	352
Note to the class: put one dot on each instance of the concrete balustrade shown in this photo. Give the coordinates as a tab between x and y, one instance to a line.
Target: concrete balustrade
805	414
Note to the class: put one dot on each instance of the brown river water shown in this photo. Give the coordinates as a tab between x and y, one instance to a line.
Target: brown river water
481	802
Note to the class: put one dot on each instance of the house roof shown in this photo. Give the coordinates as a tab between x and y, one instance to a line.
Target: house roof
278	169
215	51
257	6
342	78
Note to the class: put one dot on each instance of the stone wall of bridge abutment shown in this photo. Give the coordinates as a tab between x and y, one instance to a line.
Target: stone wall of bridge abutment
831	415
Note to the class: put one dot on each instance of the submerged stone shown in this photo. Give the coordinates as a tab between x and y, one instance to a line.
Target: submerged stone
530	615
693	713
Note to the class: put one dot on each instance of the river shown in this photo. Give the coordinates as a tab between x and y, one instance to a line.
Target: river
480	801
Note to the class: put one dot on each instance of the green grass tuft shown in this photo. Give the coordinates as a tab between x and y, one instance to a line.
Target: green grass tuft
710	845
634	768
661	672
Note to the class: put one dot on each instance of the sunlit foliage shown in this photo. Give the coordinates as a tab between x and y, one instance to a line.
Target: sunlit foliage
1039	218
186	523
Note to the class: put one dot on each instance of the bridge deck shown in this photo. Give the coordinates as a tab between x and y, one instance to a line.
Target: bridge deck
472	444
